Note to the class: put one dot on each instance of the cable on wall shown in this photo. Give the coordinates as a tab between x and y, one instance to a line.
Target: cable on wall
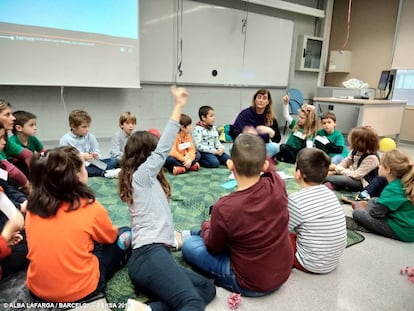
244	25
179	39
62	99
348	26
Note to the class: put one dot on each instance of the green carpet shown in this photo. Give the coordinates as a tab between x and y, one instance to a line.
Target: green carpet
192	194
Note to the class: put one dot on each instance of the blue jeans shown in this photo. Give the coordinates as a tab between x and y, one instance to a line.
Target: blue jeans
216	266
96	171
110	257
376	186
272	149
154	271
170	162
210	160
336	159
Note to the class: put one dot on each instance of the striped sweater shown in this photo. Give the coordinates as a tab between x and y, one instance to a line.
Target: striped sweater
319	222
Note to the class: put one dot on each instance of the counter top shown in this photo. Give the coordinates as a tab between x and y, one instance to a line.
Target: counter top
358	101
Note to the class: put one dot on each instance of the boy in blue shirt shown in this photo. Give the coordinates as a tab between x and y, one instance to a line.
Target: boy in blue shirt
80	138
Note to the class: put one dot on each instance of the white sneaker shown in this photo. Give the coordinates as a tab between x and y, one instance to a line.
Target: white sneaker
134	305
113	173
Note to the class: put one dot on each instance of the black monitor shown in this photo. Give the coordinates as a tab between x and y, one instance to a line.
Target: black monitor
384	80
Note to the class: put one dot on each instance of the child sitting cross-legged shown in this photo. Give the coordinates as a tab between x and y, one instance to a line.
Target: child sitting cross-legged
183	156
245	247
392	213
206	139
315	216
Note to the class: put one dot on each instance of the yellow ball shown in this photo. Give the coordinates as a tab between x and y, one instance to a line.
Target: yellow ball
387	144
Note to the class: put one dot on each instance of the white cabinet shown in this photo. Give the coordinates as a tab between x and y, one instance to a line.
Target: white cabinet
309	53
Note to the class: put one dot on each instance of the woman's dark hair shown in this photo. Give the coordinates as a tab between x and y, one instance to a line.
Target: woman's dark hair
55	180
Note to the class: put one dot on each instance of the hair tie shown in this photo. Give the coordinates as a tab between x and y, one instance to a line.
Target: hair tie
309	108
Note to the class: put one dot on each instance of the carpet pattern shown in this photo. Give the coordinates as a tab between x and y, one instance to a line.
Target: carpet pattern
192	194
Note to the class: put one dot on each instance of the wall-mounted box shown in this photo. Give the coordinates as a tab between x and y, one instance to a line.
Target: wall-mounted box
340	61
309	52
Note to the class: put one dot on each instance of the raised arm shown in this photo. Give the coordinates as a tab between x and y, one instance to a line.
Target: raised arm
286	114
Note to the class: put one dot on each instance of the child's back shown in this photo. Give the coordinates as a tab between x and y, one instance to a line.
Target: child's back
316	216
250	224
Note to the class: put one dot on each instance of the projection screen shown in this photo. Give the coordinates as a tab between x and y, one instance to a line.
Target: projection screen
83	43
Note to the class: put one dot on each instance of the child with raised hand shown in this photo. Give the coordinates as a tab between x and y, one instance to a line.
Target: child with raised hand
144	187
392	213
183	155
206	139
127	123
330	140
360	167
245	247
315	216
303	131
64	217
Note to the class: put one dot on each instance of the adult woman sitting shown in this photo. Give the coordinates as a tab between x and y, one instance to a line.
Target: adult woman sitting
260	119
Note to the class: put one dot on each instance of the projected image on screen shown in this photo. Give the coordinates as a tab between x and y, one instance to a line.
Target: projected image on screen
69	43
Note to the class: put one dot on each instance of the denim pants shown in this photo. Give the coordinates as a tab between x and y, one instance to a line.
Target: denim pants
153	270
210	160
218	267
96	171
170	162
272	149
110	257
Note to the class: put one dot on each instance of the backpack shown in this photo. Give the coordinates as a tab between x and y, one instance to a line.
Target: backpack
371	175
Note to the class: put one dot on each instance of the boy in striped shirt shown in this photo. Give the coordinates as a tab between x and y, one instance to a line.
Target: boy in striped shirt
316	218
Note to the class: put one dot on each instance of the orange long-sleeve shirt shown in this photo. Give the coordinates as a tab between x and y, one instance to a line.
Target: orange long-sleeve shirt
62	267
183	146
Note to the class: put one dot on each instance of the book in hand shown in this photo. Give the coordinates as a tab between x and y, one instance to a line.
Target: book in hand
98	163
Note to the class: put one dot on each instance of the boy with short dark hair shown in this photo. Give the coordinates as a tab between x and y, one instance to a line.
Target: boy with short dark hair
330	140
24	130
246	247
206	139
315	216
80	138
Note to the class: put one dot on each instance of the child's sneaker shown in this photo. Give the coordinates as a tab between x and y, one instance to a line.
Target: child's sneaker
195	167
135	305
359	204
178	170
330	185
361	196
124	240
113	173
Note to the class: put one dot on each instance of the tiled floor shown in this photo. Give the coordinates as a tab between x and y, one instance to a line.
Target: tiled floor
367	278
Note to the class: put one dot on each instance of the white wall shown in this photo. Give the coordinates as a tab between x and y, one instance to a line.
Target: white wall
151	103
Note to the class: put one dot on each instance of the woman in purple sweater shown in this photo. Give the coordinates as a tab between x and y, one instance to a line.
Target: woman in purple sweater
259	118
